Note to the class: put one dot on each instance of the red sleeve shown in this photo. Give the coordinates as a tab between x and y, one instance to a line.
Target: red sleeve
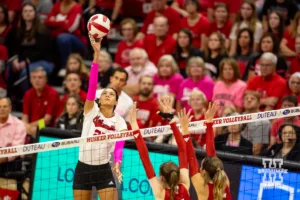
235	6
210	141
251	85
287	34
174	18
192	159
26	105
118	53
274	128
73	20
211	4
278	89
183	163
147	22
205	26
62	103
14	5
53	102
144	154
3	53
54	11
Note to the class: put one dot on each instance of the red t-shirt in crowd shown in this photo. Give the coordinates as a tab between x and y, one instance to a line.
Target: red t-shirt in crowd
295	65
233	5
173	21
69	22
14	5
123	49
81	94
107	4
225	30
273	86
154	51
201	27
277	123
36	107
136	8
203	5
146	110
199	136
3	53
290	39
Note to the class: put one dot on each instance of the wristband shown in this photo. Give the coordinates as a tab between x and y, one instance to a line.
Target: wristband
168	116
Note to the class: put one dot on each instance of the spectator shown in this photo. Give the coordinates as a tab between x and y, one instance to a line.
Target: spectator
196	23
12	133
268	43
294	86
43	8
286	8
73	84
246	19
229	89
198	103
287	102
185	50
147	104
167	80
70	119
289	148
295	63
117	81
160	8
275	25
136	9
214	52
244	49
75	64
129	30
109	8
140	66
28	43
39	102
287	44
178	5
196	79
5	26
105	68
14	8
221	23
256	132
64	22
159	43
233	141
226	111
269	84
3	59
233	6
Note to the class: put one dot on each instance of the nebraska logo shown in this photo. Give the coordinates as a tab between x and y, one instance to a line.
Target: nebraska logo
99	123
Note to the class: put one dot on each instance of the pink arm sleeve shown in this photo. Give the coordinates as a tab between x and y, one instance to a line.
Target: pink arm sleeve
93	82
118	152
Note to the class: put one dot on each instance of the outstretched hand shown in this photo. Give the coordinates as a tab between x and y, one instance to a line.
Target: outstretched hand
96	43
132	117
184	119
166	104
211	111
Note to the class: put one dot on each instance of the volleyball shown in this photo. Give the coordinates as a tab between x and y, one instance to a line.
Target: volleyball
98	26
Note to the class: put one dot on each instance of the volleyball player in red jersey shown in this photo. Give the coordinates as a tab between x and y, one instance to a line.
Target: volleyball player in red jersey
174	181
211	182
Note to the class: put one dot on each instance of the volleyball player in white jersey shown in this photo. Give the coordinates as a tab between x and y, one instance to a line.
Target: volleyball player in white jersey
93	167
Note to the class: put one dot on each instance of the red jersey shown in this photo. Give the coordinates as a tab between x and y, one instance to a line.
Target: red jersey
123	49
146	110
203	5
36	107
295	65
3	53
172	16
69	22
180	193
273	86
290	39
201	27
107	4
199	136
156	51
12	5
136	8
225	30
233	5
226	196
63	101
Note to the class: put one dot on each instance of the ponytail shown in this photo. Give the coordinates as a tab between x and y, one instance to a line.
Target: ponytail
173	181
220	181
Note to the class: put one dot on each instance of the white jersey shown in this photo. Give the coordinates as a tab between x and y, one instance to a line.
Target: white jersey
96	124
124	103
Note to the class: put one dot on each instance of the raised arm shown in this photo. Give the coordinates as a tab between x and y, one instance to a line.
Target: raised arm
210	139
93	82
155	183
166	104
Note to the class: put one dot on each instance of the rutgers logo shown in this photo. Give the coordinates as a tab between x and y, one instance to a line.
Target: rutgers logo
99	123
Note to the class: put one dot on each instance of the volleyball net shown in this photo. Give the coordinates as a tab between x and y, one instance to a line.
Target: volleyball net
45	170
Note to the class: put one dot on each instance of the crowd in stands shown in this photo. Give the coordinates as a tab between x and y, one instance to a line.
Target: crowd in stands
244	55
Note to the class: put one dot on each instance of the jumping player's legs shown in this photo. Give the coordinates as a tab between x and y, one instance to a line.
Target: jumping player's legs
108	193
82	194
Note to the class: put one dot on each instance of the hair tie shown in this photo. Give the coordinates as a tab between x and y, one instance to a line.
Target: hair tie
218	169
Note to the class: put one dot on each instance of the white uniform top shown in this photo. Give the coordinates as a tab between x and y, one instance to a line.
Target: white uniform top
124	103
96	124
